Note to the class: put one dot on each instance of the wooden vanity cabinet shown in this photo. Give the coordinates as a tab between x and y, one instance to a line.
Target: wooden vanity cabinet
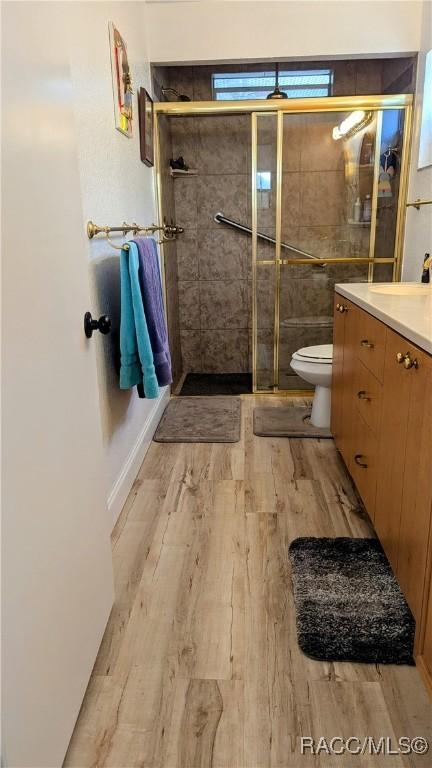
382	425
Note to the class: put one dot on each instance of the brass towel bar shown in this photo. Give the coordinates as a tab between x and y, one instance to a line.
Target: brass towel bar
170	231
417	203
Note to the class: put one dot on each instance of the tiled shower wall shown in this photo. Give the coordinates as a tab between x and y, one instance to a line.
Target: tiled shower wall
213	261
213	314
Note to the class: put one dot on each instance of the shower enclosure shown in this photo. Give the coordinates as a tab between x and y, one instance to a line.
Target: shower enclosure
326	196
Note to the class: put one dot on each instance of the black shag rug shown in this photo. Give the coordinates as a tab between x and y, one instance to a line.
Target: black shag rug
349	605
196	384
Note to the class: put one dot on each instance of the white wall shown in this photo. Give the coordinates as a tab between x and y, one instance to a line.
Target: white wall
116	186
181	32
418	231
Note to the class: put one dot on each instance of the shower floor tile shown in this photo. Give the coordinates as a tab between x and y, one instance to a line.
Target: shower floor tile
196	384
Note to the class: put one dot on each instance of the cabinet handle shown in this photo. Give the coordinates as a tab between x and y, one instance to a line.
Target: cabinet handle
409	362
357	458
400	357
367	344
341	308
362	395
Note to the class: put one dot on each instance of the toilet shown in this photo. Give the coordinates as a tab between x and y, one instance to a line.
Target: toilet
314	365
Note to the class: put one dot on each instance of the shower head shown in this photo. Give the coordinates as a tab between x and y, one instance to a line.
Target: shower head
277	93
180	96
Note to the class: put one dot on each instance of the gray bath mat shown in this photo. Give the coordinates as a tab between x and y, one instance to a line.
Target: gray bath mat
349	605
286	421
200	420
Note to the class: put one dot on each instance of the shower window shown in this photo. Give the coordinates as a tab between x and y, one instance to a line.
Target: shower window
307	83
263	180
264	185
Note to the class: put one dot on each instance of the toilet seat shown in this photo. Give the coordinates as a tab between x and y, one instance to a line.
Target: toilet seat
321	354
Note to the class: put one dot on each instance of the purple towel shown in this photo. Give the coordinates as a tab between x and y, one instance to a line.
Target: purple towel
151	289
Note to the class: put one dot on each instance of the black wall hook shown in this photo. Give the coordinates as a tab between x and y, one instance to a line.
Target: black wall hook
103	324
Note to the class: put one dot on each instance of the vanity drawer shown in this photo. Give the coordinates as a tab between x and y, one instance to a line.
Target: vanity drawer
369	344
363	463
367	395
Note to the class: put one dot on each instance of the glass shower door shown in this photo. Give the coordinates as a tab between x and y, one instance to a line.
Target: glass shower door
340	188
264	258
328	187
326	212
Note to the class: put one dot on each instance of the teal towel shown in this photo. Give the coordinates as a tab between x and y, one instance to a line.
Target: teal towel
136	356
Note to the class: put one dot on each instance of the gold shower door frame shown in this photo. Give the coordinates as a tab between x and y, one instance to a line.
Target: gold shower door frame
282	107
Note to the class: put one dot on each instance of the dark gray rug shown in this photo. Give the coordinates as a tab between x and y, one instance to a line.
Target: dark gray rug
196	384
200	420
349	605
286	421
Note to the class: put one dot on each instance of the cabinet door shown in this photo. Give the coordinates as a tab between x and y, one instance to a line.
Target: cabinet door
346	435
369	343
337	368
417	483
363	461
392	447
368	393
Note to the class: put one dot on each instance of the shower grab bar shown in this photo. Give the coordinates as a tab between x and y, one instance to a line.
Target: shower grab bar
221	219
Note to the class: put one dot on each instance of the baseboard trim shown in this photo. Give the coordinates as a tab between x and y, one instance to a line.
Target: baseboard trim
425	674
120	490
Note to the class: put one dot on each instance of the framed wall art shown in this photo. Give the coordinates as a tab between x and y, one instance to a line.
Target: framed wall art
121	82
145	114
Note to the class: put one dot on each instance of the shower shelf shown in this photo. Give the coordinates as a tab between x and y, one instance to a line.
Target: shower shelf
177	173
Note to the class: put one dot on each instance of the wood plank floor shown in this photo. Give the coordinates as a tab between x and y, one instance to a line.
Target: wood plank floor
199	665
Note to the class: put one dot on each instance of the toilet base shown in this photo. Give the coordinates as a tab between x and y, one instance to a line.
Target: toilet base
321	407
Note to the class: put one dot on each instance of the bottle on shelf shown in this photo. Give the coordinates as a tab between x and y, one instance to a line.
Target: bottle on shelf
367	208
427	263
357	210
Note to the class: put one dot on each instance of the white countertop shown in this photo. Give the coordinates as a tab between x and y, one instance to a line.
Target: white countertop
411	316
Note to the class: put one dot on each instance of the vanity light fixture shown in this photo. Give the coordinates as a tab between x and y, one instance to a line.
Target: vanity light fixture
353	123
